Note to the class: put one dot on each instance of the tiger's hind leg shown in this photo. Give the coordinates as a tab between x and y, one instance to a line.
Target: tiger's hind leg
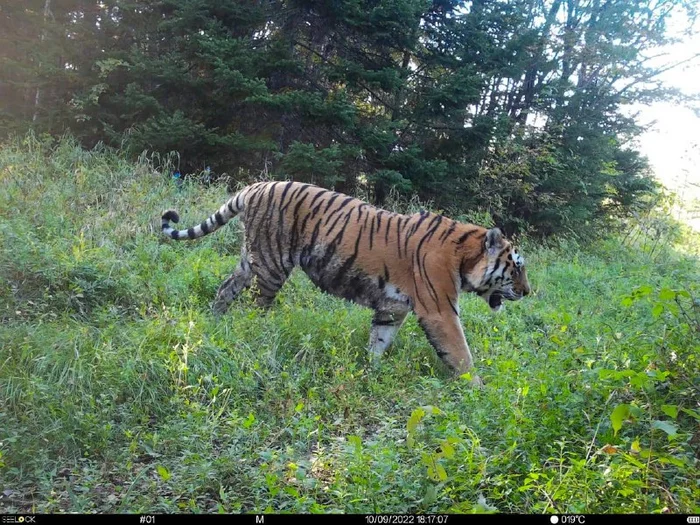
239	280
385	326
268	279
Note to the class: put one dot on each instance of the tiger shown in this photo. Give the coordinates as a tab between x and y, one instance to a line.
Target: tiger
392	263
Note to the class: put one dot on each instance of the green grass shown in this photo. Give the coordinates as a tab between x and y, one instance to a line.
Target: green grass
120	392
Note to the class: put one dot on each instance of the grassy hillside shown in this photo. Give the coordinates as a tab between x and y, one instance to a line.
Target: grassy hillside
120	392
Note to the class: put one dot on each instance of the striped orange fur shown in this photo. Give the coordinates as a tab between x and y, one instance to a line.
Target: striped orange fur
389	262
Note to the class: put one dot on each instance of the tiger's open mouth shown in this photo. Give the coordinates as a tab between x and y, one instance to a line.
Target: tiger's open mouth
495	301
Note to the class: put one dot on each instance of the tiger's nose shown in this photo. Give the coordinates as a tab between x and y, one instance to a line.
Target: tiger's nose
526	290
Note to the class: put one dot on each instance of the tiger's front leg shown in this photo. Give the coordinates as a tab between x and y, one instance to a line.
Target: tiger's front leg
385	325
447	337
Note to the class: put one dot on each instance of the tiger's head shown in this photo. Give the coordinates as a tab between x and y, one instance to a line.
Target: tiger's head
500	273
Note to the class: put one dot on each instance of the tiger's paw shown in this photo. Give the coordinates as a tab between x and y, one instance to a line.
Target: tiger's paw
477	382
219	308
474	380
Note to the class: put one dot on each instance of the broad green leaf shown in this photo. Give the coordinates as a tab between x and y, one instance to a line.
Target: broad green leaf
430	494
357	442
619	414
634	461
644	290
670	410
416	417
163	472
249	421
678	462
666	426
447	450
636	412
657	310
442	475
666	294
635	447
692	413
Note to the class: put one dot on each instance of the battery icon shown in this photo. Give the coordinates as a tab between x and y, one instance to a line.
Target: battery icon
693	519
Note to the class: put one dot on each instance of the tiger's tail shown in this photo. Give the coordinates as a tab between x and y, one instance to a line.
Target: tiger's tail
228	211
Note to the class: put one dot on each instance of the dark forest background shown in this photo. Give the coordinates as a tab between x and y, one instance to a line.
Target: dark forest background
513	108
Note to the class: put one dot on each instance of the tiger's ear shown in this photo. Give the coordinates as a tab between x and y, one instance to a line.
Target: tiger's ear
494	240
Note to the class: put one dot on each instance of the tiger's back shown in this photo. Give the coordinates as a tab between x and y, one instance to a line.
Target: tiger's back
390	262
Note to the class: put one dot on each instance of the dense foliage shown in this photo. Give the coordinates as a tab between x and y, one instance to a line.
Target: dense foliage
120	392
510	107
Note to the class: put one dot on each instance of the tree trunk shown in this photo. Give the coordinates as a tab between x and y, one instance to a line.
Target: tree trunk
37	95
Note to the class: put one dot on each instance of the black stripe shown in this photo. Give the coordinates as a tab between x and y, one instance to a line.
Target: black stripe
254	205
383	322
420	221
265	269
292	196
190	233
432	340
296	208
330	202
431	288
386	235
339	237
174	234
266	222
295	234
454	309
464	237
219	219
347	264
415	284
398	235
438	221
337	210
495	267
443	237
204	227
306	250
303	223
344	203
260	283
284	192
371	233
347	216
295	194
386	273
316	197
229	205
317	208
429	234
425	237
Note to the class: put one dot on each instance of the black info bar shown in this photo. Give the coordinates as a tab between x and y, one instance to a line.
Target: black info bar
355	519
